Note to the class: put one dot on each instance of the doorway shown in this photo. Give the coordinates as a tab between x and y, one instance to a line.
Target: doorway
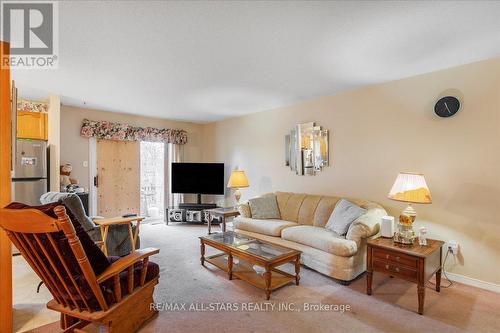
153	181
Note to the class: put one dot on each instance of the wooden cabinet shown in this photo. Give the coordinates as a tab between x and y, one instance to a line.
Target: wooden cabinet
32	125
414	263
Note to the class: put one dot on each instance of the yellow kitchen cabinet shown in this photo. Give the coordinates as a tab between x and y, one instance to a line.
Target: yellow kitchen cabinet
32	125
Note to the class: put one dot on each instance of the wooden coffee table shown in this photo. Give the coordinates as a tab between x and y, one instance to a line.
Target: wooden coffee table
241	253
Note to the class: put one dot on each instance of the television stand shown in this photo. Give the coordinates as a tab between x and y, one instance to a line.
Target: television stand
197	206
189	213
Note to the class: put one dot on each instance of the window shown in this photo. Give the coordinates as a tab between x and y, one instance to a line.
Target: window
153	180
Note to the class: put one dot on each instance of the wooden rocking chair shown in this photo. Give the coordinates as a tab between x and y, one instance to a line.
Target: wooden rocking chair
120	299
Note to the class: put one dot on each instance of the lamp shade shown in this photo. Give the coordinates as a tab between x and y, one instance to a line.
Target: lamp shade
238	179
410	187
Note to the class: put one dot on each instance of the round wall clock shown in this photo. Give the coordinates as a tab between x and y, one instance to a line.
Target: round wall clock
447	106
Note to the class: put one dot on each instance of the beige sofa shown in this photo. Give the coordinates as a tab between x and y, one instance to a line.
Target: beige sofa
302	227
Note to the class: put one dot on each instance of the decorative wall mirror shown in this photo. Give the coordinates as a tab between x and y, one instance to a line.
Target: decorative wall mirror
306	149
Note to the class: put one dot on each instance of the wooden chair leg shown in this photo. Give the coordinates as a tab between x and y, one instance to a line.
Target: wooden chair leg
134	314
76	326
67	321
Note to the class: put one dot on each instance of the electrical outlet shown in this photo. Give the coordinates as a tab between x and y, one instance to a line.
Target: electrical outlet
453	246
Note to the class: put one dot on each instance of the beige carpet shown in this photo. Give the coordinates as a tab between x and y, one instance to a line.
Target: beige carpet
392	308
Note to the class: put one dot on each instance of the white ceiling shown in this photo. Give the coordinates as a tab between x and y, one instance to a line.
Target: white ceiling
206	61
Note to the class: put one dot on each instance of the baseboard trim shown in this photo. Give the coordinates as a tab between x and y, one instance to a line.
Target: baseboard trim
474	282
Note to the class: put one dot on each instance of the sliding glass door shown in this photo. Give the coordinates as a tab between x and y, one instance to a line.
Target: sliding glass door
153	180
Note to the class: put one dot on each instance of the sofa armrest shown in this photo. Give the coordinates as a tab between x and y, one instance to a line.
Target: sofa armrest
367	225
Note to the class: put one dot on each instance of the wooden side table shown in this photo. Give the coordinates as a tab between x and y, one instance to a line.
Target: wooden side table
412	263
105	223
222	213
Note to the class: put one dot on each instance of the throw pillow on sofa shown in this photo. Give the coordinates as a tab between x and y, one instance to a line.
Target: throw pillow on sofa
343	215
265	207
244	210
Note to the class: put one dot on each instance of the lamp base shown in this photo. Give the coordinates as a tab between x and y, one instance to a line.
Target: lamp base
410	211
405	235
237	196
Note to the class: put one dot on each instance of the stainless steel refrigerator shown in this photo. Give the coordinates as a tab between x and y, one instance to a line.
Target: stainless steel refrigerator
29	178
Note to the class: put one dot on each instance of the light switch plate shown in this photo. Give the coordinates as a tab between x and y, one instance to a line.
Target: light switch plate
85	164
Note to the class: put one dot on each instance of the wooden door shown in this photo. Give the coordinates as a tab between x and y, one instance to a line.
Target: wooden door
5	187
118	178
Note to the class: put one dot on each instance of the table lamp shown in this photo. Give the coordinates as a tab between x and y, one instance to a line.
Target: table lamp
410	188
237	180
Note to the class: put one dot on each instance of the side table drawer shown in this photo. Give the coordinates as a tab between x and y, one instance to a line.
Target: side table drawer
395	270
395	257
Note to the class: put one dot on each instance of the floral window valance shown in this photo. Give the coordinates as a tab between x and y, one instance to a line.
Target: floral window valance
106	130
32	106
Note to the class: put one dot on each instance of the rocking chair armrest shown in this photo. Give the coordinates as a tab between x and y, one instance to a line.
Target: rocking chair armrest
125	262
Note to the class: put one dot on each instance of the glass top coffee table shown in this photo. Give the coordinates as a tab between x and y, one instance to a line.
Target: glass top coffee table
251	260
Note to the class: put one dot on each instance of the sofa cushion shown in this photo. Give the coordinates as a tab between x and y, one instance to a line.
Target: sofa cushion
266	227
343	215
282	198
307	209
265	207
289	205
321	239
324	210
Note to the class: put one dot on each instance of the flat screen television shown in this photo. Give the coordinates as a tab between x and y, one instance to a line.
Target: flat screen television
198	178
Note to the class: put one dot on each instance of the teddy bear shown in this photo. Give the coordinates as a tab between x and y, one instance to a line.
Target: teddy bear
65	172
